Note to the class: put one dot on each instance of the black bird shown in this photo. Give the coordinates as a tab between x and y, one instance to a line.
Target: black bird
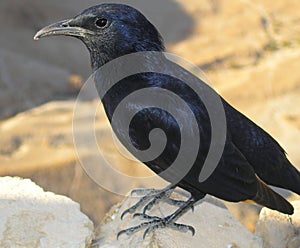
251	158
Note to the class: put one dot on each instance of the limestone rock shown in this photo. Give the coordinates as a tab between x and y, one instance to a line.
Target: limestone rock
30	217
279	230
214	225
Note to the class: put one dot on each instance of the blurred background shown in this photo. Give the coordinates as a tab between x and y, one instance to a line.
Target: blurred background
249	49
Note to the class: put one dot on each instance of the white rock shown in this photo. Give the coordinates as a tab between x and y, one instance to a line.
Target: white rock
214	225
30	217
279	230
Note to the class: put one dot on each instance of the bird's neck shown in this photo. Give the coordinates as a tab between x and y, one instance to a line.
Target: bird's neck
98	59
101	57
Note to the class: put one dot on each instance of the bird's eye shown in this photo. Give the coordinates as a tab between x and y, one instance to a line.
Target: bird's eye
102	23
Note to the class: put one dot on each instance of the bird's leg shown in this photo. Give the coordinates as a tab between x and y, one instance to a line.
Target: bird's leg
165	197
150	193
157	222
162	196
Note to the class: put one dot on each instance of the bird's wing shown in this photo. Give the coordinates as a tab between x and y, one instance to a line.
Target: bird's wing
262	151
234	178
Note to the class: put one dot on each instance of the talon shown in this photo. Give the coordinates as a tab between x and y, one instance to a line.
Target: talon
146	208
183	227
128	211
124	213
192	229
120	233
145	233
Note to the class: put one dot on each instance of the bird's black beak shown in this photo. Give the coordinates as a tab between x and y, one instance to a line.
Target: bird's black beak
65	27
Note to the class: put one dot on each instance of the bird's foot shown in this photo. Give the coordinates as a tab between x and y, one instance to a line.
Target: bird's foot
165	197
155	223
155	195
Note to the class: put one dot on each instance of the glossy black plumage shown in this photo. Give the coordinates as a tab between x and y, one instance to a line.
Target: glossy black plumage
251	158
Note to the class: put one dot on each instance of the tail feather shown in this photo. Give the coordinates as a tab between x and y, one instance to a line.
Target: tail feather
267	197
293	179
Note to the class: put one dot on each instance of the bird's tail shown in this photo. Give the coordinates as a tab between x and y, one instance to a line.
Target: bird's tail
267	197
291	178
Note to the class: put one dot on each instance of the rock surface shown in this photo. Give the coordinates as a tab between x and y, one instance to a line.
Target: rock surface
30	217
279	230
214	225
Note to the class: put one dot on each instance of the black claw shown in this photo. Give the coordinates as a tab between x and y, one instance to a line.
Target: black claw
145	209
145	233
124	213
120	233
129	211
193	231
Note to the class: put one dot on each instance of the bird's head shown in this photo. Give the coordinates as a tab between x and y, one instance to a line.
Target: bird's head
109	31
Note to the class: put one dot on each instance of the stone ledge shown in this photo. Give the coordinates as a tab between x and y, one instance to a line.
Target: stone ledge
31	217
